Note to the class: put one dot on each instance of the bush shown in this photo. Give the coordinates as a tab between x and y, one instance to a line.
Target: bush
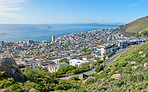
100	61
75	78
65	69
132	78
123	64
84	68
30	85
33	74
99	68
145	77
63	61
120	83
2	75
16	88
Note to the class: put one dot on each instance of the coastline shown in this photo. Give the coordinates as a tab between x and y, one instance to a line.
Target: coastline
41	32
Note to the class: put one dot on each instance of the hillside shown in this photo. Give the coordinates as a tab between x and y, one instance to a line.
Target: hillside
138	27
131	70
128	73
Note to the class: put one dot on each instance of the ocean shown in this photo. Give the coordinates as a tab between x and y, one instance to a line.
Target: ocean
39	32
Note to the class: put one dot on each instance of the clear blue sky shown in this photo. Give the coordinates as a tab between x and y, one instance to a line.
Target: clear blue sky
71	11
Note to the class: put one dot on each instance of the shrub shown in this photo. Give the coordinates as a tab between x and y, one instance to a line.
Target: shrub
63	61
132	78
123	64
75	78
120	83
65	69
2	75
145	77
16	88
33	74
99	68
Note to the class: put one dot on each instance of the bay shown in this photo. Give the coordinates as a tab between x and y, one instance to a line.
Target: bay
39	32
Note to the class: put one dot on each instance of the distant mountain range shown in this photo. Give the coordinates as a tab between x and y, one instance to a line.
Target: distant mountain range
138	27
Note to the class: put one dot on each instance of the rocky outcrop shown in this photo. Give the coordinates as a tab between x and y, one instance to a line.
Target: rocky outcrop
100	73
134	67
82	76
133	62
6	90
116	76
11	69
33	90
90	80
145	65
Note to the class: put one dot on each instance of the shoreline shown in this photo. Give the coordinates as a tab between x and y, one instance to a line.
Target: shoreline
13	33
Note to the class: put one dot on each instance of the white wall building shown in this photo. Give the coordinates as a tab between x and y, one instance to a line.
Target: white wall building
76	62
107	50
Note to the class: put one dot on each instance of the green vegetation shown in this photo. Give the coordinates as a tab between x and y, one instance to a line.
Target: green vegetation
99	68
130	66
63	61
15	56
35	79
65	69
138	27
134	76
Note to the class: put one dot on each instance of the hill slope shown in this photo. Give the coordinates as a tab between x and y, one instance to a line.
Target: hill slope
131	66
139	26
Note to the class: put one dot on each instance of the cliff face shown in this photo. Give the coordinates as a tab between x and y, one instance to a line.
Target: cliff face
11	69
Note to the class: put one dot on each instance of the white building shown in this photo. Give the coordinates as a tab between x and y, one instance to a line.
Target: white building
76	62
107	50
53	38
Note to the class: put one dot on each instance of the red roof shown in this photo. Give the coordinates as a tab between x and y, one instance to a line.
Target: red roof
88	56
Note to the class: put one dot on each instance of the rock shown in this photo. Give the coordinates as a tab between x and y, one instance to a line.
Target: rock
100	72
140	52
11	69
91	66
82	76
6	90
89	79
134	67
116	76
133	62
33	90
145	65
144	55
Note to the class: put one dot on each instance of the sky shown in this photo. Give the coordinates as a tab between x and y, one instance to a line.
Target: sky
71	11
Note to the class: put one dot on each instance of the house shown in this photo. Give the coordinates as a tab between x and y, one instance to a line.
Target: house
76	62
55	68
108	50
86	57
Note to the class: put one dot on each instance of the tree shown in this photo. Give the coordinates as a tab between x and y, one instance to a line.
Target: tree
65	69
99	68
80	58
63	61
33	74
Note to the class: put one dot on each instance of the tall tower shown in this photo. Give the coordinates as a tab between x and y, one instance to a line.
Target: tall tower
53	38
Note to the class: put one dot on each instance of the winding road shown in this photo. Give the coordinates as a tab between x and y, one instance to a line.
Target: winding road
121	51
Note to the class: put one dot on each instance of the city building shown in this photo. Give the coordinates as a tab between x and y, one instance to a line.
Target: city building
108	50
76	62
53	38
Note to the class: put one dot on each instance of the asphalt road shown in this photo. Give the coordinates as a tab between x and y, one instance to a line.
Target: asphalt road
108	62
121	51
